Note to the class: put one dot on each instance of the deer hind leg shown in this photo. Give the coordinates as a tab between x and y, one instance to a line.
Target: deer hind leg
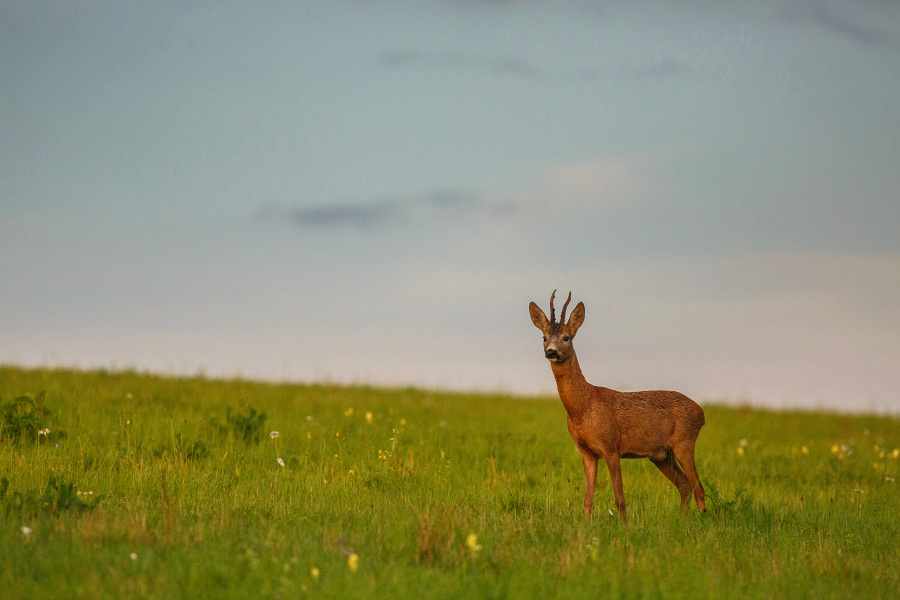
685	455
590	481
615	475
673	473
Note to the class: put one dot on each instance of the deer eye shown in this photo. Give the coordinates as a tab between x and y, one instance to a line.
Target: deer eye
565	338
544	338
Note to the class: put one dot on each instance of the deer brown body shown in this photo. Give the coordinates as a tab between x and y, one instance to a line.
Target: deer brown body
605	424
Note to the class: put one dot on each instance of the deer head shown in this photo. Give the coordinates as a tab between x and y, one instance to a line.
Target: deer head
558	336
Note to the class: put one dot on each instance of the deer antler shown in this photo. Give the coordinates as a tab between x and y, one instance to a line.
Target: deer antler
562	317
552	310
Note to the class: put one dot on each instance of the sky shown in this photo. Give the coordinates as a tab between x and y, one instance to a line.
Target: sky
373	192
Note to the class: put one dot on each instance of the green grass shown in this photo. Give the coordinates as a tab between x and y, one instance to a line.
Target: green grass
169	488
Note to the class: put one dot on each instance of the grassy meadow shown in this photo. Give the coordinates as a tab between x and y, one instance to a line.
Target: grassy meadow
119	485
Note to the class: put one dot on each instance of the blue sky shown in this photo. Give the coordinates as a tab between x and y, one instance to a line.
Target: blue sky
375	191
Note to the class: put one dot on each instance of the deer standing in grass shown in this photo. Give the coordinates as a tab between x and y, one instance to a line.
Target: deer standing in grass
659	425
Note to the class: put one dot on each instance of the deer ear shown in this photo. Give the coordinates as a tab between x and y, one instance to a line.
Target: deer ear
576	318
538	317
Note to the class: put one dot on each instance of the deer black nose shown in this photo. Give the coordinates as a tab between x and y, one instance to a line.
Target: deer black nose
551	353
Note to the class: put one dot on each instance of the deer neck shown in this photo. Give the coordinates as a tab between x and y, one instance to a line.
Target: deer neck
572	386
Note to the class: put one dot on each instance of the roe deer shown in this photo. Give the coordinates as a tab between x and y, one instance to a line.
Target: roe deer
662	426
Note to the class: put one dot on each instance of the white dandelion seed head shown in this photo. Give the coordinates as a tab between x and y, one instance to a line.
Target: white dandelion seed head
26	530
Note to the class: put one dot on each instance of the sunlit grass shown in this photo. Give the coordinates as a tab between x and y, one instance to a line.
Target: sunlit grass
197	488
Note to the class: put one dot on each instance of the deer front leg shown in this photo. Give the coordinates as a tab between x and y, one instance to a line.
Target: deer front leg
590	480
615	475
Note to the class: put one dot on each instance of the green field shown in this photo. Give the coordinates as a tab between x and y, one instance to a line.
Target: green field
170	488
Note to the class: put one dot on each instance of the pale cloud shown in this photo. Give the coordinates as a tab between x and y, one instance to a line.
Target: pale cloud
616	181
594	176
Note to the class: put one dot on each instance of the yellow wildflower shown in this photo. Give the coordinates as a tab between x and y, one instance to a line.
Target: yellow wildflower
472	543
369	418
353	561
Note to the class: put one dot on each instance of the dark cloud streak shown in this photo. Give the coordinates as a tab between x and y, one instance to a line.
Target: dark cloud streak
828	20
385	211
849	29
357	215
461	61
515	67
